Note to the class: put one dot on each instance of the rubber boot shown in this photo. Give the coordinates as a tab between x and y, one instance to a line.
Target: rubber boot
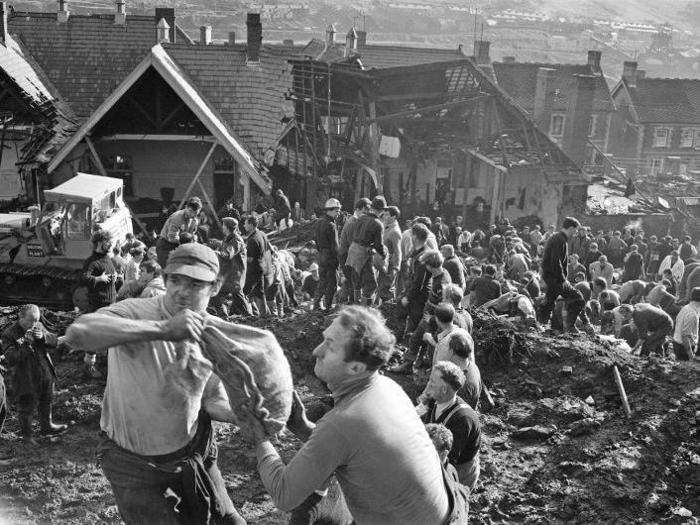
48	426
25	425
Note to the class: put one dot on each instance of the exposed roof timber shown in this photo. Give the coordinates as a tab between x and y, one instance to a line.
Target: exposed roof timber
425	109
178	81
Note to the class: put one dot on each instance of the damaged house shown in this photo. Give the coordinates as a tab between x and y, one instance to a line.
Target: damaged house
437	137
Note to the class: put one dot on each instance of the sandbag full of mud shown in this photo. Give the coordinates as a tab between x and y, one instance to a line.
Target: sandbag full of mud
253	368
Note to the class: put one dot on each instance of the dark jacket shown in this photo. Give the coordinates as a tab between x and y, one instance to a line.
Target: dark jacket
29	361
326	237
419	285
233	260
369	233
456	270
554	259
464	424
99	293
256	245
282	207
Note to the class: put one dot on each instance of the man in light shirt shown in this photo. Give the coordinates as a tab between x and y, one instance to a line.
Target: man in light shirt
161	396
685	334
182	221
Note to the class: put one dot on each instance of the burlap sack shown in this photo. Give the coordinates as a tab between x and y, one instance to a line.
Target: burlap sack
253	368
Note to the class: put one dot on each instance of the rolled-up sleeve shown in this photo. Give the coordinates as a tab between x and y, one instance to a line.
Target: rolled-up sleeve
289	485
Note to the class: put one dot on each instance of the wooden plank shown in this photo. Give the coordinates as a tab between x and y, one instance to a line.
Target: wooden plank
211	205
198	174
434	107
158	137
95	156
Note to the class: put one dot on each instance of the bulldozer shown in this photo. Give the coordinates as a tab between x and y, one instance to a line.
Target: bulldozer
42	250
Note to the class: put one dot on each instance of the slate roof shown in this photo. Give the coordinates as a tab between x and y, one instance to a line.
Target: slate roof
378	56
250	98
519	80
666	100
88	56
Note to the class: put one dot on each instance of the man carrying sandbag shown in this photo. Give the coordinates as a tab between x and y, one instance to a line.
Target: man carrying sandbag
372	439
161	396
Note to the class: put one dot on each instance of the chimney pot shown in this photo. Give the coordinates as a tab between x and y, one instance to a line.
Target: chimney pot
254	37
167	13
205	35
3	21
163	31
594	61
330	34
351	42
481	51
509	60
232	38
120	14
629	73
63	13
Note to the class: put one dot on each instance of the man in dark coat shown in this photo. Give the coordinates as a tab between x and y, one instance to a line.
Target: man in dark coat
326	236
25	346
233	261
554	265
283	209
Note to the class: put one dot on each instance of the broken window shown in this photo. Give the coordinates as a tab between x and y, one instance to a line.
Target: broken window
661	137
687	136
556	125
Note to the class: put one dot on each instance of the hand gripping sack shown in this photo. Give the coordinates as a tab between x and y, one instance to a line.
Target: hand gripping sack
253	369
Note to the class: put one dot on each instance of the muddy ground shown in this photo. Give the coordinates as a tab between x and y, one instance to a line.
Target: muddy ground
547	454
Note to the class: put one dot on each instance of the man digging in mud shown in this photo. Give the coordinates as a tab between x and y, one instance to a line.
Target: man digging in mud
160	398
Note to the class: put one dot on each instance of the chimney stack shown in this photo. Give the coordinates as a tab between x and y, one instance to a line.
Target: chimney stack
3	20
481	51
361	39
254	37
167	13
120	15
578	117
232	38
350	43
163	31
330	34
205	35
641	73
629	73
509	60
63	13
594	61
540	113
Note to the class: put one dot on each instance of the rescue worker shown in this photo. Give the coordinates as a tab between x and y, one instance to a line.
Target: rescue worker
392	241
182	221
160	398
347	234
25	346
101	278
326	236
232	260
554	264
653	325
366	246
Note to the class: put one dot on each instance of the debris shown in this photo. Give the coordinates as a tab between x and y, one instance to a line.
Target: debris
682	512
621	389
567	370
584	427
536	432
589	400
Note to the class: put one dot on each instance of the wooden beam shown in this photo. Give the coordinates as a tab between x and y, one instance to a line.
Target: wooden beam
95	156
171	115
141	110
198	174
412	96
434	107
158	137
211	205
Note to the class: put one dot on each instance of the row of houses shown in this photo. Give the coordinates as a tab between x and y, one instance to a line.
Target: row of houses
135	97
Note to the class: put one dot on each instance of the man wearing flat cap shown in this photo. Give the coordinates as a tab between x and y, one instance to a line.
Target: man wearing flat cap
367	245
184	221
161	396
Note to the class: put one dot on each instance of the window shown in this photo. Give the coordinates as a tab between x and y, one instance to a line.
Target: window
656	166
592	123
661	137
687	136
556	125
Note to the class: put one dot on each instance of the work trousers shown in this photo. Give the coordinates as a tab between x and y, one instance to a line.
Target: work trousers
239	303
148	494
327	284
415	343
351	288
682	354
654	342
469	472
575	302
387	285
163	249
38	401
366	281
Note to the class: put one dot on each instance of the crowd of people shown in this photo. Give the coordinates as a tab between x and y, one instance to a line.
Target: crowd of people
376	456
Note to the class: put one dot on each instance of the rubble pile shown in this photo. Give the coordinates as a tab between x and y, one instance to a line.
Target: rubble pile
556	444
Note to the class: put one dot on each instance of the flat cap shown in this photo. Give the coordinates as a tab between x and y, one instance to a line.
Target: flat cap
193	260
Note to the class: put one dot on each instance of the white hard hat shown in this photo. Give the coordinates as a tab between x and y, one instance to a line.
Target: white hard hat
332	204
